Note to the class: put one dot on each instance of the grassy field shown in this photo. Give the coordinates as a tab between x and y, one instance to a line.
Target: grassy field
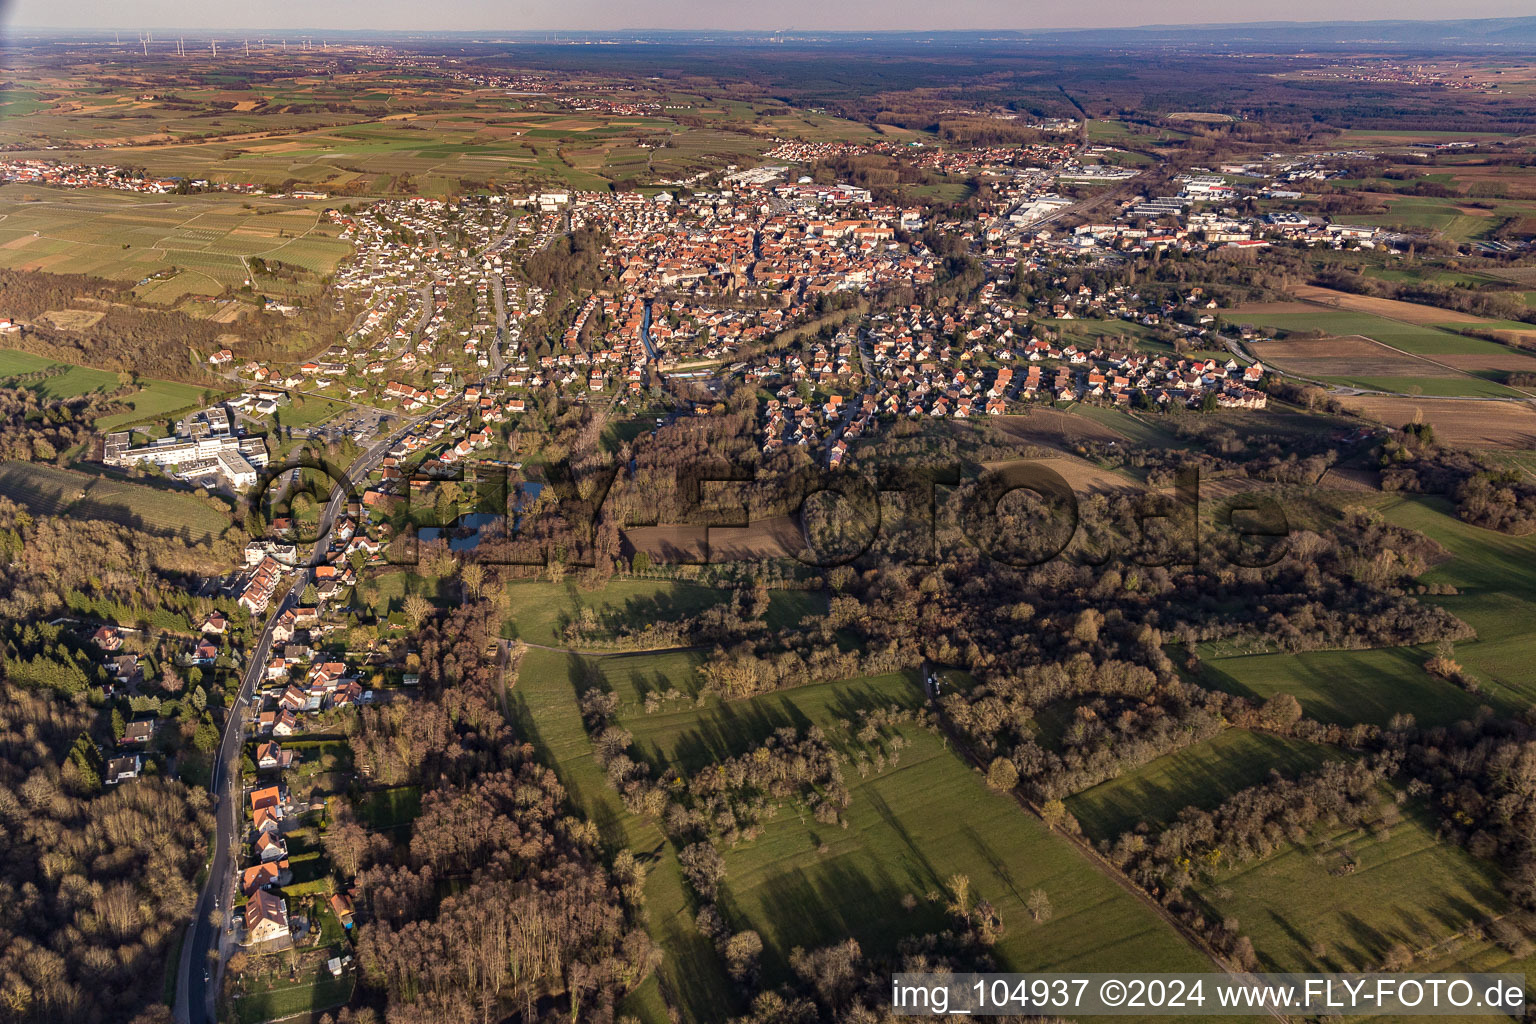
1203	775
306	411
157	398
910	828
543	705
632	676
48	490
1345	686
1080	331
693	737
1496	596
312	993
1442	387
1415	338
154	397
390	808
540	611
1107	131
1443	215
1306	910
1428	360
75	380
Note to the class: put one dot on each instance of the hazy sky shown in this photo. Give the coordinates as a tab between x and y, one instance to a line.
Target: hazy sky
601	15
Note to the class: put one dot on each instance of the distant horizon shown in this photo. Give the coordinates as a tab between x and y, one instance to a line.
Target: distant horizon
795	17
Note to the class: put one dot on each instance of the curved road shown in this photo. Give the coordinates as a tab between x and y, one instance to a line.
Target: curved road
198	975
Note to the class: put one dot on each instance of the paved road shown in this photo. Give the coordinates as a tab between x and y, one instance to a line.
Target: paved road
498	350
501	243
197	981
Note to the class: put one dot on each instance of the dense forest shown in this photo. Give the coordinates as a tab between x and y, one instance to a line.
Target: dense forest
96	885
34	428
536	909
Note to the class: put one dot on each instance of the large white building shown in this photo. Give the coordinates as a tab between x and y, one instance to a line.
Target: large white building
207	460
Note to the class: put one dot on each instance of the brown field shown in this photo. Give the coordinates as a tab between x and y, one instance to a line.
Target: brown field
1218	491
1519	275
1515	186
1083	476
1519	339
1352	356
1472	423
1351	479
1055	428
778	537
1408	312
1476	361
70	319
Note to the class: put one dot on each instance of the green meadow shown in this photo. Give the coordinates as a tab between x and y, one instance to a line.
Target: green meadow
73	381
1202	775
1345	896
1495	595
49	490
1414	338
541	611
923	818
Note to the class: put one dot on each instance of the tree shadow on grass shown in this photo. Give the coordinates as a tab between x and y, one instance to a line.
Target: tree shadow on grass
731	729
828	902
1373	941
596	807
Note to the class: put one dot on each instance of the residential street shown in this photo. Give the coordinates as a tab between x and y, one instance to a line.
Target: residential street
197	983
